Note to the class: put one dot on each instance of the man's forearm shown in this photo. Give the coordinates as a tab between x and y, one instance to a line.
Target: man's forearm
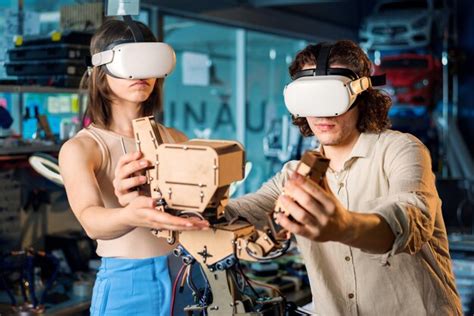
369	232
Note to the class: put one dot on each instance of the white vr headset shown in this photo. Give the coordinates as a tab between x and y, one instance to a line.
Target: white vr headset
325	92
136	59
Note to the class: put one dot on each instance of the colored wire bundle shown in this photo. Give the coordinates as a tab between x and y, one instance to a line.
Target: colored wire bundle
175	284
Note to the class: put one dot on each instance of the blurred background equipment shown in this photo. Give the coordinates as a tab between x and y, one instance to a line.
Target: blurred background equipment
37	273
54	60
413	79
82	16
404	24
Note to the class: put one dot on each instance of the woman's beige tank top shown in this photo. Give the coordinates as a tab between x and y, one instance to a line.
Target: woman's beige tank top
138	243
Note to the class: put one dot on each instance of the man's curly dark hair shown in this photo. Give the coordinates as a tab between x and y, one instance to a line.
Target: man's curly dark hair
373	104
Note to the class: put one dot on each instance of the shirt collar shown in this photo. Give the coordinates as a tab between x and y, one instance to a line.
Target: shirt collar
363	146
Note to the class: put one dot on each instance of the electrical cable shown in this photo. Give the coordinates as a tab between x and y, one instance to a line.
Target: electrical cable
197	214
191	284
183	278
272	288
283	303
300	311
272	255
233	274
246	278
241	282
173	295
206	289
267	286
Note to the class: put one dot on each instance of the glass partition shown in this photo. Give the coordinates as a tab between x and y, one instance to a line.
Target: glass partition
199	95
271	139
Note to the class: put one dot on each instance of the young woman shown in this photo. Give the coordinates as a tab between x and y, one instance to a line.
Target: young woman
134	276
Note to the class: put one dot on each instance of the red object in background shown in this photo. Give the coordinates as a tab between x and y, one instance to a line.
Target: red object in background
412	78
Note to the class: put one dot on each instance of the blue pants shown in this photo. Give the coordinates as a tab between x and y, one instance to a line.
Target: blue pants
132	287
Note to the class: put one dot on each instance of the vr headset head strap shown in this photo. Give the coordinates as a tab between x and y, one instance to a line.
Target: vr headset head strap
322	61
117	42
136	32
330	72
322	66
379	80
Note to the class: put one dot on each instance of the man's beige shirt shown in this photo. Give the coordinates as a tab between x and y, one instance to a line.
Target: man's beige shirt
387	174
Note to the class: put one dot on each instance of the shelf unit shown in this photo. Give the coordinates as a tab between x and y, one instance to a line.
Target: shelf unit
20	90
38	89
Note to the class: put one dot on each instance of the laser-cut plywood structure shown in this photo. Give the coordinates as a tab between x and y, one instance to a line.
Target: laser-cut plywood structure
193	179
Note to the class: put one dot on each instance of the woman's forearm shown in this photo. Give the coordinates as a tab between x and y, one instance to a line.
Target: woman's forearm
104	223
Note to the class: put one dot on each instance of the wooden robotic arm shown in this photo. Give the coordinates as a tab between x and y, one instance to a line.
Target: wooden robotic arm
192	176
192	179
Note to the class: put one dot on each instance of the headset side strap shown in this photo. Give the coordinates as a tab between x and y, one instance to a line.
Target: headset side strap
360	85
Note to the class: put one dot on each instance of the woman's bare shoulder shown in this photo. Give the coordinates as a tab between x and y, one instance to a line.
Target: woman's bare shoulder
79	148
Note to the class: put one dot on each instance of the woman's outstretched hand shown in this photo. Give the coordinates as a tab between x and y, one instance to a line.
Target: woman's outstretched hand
141	212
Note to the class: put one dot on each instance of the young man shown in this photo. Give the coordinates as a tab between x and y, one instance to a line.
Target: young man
375	243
